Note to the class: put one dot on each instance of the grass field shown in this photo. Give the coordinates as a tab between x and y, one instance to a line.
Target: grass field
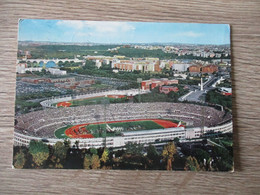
99	129
60	133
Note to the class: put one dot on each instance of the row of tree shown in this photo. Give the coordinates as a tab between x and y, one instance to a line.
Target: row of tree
69	51
156	96
215	97
61	155
134	156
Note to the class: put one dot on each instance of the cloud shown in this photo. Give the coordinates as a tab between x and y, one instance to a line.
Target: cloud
71	24
191	34
97	26
82	34
188	34
109	27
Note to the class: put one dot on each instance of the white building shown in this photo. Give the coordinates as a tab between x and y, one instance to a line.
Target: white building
98	63
184	76
21	68
106	61
181	67
226	90
39	69
55	71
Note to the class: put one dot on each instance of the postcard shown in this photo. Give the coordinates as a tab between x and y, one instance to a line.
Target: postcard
123	95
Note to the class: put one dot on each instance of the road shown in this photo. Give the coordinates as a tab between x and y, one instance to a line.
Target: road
195	94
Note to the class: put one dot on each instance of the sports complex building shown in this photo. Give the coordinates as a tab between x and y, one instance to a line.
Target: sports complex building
172	120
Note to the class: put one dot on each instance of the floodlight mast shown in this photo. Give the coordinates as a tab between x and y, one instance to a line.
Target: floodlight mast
203	120
203	109
105	102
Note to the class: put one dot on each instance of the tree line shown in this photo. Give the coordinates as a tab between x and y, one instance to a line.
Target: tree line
69	51
215	97
133	156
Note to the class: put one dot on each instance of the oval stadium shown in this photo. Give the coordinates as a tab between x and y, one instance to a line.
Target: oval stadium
114	125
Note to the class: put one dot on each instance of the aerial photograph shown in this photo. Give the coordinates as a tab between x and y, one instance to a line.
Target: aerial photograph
121	95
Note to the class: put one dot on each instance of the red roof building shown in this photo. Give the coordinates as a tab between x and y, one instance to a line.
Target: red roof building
157	67
152	83
124	66
168	89
209	69
195	68
204	69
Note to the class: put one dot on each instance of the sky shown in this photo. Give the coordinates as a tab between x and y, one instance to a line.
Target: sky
122	32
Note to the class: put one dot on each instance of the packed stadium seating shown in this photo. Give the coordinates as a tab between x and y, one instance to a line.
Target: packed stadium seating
44	123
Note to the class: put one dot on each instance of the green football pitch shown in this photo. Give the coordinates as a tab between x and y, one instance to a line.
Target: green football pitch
99	130
60	133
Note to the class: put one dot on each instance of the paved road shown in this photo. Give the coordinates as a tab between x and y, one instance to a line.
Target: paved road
196	95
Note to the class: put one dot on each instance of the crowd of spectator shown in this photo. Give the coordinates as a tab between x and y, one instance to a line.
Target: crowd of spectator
44	123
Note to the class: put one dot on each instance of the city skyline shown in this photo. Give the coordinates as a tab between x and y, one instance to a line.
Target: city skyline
108	32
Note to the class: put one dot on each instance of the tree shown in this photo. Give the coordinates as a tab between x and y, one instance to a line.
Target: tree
59	154
93	151
176	140
77	144
44	70
89	65
134	149
167	153
153	158
152	152
201	155
67	143
60	150
87	161
19	160
105	155
39	152
192	164
60	63
173	95
58	164
224	160
95	161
